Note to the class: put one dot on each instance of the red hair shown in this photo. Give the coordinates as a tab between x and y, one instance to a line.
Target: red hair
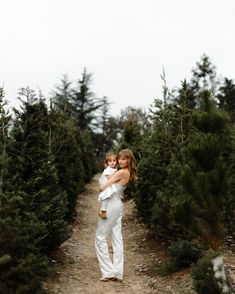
127	153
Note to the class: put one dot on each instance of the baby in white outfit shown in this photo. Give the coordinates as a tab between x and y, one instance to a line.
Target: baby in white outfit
110	168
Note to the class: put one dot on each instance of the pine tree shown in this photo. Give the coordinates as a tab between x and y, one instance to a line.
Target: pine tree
31	170
162	160
105	135
135	125
205	175
84	104
204	76
88	155
62	96
4	125
68	158
226	98
22	267
152	168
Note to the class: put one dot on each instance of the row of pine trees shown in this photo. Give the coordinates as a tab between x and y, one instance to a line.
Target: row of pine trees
46	158
185	152
186	157
184	146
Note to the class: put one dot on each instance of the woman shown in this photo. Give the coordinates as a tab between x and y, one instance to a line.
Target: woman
113	270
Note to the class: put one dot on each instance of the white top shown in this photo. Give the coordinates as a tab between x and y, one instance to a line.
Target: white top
108	171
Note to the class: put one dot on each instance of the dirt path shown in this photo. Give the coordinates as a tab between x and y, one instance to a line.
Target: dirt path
76	265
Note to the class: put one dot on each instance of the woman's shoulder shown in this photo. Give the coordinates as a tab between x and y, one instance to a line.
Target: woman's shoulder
124	172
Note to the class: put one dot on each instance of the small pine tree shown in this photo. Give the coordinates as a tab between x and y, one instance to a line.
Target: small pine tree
205	175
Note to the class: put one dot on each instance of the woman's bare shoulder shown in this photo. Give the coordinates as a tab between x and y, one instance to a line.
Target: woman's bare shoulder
124	174
123	171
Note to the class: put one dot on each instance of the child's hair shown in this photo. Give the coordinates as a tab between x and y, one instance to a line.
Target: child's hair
127	153
108	155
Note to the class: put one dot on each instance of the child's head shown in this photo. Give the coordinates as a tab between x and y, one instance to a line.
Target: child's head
131	163
111	159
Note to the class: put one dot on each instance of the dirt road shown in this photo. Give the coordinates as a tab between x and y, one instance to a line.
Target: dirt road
76	266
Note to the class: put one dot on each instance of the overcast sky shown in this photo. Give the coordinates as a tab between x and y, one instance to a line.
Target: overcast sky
123	43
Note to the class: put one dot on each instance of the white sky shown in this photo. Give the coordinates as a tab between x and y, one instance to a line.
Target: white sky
124	43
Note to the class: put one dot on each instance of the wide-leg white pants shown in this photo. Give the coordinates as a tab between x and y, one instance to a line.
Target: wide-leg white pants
111	225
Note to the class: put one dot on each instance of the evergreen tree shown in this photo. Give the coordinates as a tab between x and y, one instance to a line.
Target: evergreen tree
104	136
22	267
65	146
88	155
205	175
226	98
31	170
84	104
135	125
62	96
162	160
186	97
4	125
204	76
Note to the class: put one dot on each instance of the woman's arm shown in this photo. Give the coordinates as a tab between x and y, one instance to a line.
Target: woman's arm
116	177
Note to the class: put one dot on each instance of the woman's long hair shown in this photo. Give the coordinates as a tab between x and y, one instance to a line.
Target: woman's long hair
127	153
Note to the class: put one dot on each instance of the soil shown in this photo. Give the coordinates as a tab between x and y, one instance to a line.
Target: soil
75	266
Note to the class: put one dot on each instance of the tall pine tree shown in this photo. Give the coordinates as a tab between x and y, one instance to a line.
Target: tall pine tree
32	170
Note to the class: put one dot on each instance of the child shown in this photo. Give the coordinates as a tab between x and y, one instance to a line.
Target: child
110	163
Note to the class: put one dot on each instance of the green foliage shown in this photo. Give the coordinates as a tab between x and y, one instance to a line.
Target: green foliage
88	155
105	136
203	275
68	159
31	170
167	268
4	125
181	253
184	252
84	104
185	188
204	76
160	166
205	176
47	156
136	126
62	96
226	97
22	267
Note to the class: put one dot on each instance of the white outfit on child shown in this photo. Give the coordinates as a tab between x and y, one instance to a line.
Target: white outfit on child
112	225
108	171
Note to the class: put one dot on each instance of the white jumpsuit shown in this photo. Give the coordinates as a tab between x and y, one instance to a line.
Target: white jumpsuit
112	225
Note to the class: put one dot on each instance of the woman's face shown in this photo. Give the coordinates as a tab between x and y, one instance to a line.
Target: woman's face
123	162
